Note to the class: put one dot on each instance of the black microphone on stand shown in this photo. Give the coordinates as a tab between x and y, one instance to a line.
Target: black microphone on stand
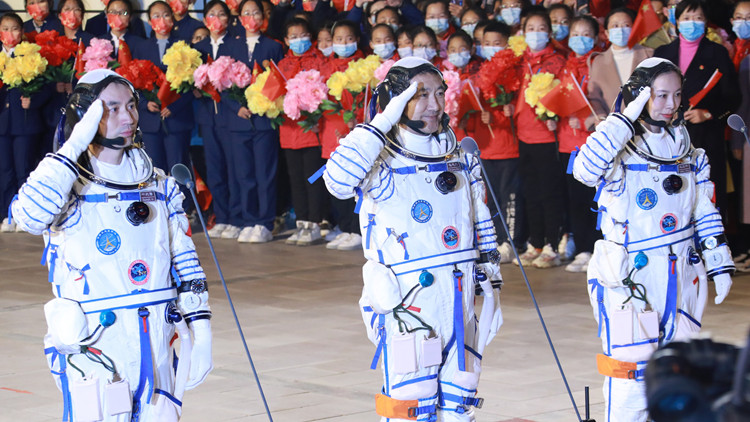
183	176
469	146
735	122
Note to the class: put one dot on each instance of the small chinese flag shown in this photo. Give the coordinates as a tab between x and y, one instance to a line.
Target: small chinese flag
343	5
646	23
275	85
123	54
468	101
79	66
257	70
165	95
695	99
566	99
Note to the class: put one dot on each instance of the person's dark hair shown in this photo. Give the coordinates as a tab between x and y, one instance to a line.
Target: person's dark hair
163	3
563	6
49	2
386	27
394	10
532	11
298	22
589	20
524	4
429	3
481	25
13	16
345	23
405	29
368	7
479	12
463	35
85	94
221	4
613	12
257	3
734	9
500	27
79	3
127	4
421	29
689	6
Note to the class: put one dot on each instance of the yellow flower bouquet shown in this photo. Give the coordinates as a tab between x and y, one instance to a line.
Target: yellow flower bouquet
348	87
517	43
182	61
259	103
539	86
24	71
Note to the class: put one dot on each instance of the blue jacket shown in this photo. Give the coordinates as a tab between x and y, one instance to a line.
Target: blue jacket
83	36
133	41
206	108
52	23
184	29
265	50
17	121
182	109
98	27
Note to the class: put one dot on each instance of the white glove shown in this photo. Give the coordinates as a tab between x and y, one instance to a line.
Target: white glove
389	117
83	132
491	297
722	283
634	109
201	362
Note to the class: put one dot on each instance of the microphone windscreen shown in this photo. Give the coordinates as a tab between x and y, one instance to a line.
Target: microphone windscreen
735	122
469	145
181	173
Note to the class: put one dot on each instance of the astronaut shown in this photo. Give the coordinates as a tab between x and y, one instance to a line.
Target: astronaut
663	238
430	246
124	273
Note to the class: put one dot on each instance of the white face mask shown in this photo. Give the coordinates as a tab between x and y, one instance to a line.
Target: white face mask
326	51
426	53
405	52
384	51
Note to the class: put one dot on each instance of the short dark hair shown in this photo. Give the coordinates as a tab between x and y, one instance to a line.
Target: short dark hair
734	9
539	11
689	5
210	5
562	6
429	3
79	3
463	35
393	9
613	12
500	27
257	3
161	2
421	29
384	26
13	16
298	22
344	23
127	3
589	20
479	12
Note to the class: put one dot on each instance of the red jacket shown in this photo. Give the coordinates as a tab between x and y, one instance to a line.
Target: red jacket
531	130
332	126
741	50
291	135
568	137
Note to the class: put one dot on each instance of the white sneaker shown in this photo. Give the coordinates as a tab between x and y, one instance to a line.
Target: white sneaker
246	234
231	232
350	243
7	226
334	243
529	256
547	259
567	247
217	230
260	234
506	253
325	228
332	234
741	258
310	235
580	264
292	240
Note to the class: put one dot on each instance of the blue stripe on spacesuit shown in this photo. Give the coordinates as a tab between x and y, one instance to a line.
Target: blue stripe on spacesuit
30	186
389	183
653	340
184	260
27	215
688	237
662	235
414	380
610	141
370	223
147	365
603	318
458	319
489	220
51	188
690	317
702	181
356	152
176	213
338	182
588	151
315	176
670	307
473	352
188	268
333	160
713	214
67	404
30	198
172	398
336	155
191	273
192	251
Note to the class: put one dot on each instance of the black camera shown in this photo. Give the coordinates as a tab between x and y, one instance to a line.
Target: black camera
698	381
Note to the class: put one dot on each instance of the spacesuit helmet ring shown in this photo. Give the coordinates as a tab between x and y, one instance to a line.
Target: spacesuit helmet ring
643	76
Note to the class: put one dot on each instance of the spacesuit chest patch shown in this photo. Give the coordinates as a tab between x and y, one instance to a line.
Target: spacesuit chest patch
108	242
450	237
646	199
421	211
668	223
138	272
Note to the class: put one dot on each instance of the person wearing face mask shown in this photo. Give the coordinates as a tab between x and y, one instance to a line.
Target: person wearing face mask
71	18
542	188
611	69
301	148
741	28
470	18
662	36
99	25
509	11
438	18
346	38
21	124
324	42
184	24
430	248
461	57
425	44
41	17
254	143
698	58
389	16
405	42
119	16
584	30
648	279
560	14
383	43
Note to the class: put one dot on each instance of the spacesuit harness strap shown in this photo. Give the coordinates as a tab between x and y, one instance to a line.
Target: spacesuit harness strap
389	407
143	196
431	168
665	168
134	300
434	261
614	368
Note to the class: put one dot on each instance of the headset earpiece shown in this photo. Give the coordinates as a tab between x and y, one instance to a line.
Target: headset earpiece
385	93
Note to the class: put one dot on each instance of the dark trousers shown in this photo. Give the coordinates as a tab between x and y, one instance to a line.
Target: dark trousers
167	149
256	156
309	200
220	176
581	216
16	154
543	192
346	219
506	183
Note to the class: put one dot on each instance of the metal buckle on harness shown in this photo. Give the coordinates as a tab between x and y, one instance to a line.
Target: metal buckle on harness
480	403
632	374
412	412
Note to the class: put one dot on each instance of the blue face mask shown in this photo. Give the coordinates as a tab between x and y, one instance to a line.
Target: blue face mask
326	51
460	59
426	53
489	51
300	45
671	16
469	28
560	31
537	40
480	51
511	15
619	36
581	45
692	30
384	51
742	29
344	50
437	25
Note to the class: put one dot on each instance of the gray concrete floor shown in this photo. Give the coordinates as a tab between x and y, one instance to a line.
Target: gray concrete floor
298	309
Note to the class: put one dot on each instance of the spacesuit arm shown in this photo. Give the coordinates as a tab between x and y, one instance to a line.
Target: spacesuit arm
484	227
352	161
595	160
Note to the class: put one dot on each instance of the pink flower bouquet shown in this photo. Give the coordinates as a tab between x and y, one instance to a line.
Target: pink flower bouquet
98	55
305	93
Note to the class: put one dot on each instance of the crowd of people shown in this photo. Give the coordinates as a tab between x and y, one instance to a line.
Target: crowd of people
257	171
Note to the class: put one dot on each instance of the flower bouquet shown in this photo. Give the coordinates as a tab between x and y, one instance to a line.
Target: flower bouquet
266	100
452	95
98	55
306	91
25	70
145	77
517	44
57	50
348	87
539	86
498	78
181	61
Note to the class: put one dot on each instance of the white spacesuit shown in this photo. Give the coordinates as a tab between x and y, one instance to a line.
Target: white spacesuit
646	280
425	226
123	270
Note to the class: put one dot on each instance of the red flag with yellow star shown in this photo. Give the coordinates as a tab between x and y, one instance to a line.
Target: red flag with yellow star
646	23
567	98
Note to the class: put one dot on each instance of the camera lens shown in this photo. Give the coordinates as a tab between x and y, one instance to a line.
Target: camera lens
672	184
137	213
446	182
